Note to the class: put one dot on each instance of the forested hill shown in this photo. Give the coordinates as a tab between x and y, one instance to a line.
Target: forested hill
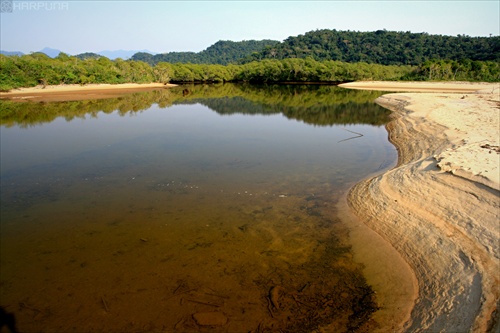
382	47
379	47
222	53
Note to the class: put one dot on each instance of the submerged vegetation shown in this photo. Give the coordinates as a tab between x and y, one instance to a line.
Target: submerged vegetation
325	56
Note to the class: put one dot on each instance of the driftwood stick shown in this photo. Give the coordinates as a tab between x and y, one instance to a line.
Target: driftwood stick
203	303
179	293
269	306
358	135
105	304
300	302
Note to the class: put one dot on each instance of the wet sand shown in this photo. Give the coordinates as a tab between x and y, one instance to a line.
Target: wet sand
440	206
76	92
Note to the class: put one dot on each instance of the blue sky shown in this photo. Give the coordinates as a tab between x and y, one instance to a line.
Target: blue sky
164	26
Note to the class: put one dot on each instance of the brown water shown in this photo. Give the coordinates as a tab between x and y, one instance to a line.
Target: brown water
184	219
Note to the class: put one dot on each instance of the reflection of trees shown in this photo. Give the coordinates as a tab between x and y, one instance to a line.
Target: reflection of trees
318	105
32	113
346	113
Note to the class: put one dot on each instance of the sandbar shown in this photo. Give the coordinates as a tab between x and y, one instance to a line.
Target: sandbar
439	207
423	86
74	92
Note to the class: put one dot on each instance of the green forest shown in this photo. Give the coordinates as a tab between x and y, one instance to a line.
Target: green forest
221	53
383	47
380	55
378	47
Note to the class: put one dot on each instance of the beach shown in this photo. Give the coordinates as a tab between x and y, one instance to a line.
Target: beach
426	230
75	92
439	208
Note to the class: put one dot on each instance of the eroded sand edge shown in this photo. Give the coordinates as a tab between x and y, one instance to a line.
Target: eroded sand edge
440	206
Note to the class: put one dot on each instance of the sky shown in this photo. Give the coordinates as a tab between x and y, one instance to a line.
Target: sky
165	25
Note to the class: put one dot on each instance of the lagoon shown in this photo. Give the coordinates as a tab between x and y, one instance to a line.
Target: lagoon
150	211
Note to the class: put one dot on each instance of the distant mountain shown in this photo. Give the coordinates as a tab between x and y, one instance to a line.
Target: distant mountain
124	54
50	52
222	52
11	53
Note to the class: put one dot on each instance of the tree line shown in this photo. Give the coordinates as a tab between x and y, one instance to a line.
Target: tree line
38	68
378	47
35	69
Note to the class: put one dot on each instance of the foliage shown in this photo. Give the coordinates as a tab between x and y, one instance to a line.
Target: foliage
453	70
310	70
37	68
382	47
221	53
317	56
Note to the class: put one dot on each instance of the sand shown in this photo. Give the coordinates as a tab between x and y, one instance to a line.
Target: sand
451	87
440	206
74	92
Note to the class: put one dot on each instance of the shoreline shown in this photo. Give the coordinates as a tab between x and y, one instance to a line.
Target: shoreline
74	92
431	222
423	86
439	207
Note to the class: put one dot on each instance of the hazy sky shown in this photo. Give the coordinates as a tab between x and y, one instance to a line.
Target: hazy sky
164	25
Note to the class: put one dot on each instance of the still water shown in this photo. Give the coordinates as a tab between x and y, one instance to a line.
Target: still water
198	208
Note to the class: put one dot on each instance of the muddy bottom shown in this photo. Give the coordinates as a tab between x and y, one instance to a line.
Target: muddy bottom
183	259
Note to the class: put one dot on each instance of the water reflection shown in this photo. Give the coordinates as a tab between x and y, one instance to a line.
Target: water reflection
125	215
316	105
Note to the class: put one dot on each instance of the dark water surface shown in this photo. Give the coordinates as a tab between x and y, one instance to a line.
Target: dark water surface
199	208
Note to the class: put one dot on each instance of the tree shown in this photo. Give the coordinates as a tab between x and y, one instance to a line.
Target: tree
163	72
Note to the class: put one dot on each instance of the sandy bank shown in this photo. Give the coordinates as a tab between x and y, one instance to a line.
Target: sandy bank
440	207
451	87
72	92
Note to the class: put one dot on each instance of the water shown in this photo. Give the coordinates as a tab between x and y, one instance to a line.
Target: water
151	211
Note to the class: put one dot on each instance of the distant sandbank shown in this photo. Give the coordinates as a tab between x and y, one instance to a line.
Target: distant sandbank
440	206
72	92
451	87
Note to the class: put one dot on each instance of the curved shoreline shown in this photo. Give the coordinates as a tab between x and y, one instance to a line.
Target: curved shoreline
439	207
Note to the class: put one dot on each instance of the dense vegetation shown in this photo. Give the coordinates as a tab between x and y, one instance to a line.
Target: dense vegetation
327	56
35	69
378	47
38	68
287	70
383	47
221	53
